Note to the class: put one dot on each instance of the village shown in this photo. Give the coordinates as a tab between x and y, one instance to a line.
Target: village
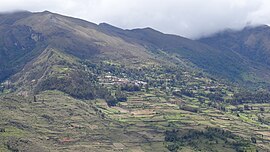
113	80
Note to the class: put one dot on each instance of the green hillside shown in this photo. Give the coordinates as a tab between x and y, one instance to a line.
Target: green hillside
71	85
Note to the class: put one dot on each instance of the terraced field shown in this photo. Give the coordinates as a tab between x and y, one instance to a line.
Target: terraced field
154	114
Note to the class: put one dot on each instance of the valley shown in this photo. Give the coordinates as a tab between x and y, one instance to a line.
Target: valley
71	85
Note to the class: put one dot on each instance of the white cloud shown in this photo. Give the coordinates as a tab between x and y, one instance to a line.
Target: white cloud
190	18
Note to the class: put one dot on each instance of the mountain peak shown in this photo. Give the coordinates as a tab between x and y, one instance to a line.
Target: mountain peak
108	26
147	30
46	11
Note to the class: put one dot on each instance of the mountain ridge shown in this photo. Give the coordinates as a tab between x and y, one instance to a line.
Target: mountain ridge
72	85
105	41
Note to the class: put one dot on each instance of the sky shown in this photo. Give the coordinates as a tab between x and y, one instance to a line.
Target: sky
188	18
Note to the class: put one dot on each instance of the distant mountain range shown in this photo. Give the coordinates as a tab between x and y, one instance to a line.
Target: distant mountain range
238	56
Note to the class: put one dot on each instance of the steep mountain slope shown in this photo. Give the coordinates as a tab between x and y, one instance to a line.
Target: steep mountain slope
55	70
71	85
252	43
24	35
215	60
18	44
82	39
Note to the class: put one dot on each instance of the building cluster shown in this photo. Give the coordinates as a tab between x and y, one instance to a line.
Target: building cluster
113	80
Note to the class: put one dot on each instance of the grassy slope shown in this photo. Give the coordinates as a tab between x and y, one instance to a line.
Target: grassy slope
57	122
51	63
217	61
161	114
252	43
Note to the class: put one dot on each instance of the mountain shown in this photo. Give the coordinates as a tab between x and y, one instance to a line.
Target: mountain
251	43
86	40
72	85
218	61
26	36
203	56
18	44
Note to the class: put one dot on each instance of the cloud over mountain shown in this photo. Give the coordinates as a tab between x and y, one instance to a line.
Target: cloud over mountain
190	18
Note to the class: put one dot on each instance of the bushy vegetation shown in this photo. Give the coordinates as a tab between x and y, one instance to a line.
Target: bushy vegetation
69	91
118	97
213	136
77	85
250	97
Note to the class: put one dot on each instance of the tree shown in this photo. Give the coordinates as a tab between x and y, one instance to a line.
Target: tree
130	87
111	101
246	107
120	96
253	140
1	89
147	88
35	99
262	109
2	130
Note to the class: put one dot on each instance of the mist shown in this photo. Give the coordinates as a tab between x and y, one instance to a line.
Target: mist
188	18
